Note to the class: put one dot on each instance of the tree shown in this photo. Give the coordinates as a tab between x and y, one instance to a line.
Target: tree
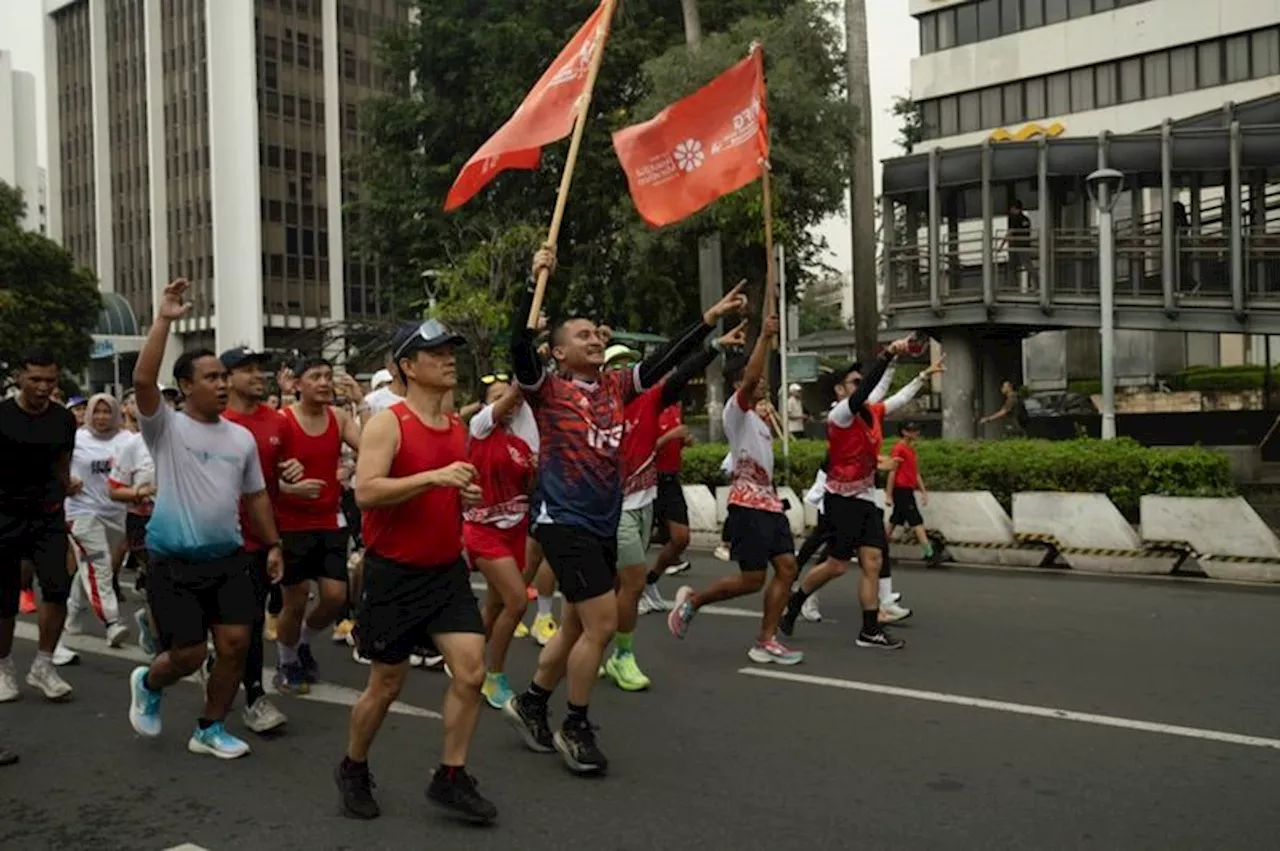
45	300
911	131
866	308
820	304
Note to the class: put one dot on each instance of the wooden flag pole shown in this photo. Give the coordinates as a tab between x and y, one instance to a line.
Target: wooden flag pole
575	143
771	261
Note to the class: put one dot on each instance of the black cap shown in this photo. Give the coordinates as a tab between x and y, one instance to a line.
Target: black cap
242	356
909	425
423	337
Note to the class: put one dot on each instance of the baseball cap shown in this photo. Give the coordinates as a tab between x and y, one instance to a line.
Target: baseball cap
169	388
241	356
795	388
381	378
620	352
76	401
423	337
909	425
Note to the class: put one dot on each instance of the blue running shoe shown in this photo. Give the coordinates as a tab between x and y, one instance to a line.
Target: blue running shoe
214	740
146	640
144	705
496	690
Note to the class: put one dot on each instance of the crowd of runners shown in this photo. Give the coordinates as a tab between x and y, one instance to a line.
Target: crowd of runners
327	512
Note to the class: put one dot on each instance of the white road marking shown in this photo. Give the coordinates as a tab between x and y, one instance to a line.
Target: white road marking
187	846
320	692
723	611
1020	709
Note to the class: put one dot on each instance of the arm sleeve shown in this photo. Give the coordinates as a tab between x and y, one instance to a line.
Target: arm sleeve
652	370
482	423
526	364
842	414
904	396
689	369
154	427
882	389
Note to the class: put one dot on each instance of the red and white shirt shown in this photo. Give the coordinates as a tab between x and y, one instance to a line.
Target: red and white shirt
854	442
505	457
751	447
640	450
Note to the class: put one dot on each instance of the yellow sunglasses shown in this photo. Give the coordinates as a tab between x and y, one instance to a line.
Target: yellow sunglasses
494	377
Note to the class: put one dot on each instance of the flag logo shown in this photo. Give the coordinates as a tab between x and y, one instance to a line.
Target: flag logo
689	154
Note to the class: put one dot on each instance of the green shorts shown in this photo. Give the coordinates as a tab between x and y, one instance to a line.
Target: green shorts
634	529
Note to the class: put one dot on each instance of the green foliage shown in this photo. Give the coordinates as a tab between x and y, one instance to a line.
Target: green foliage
474	63
45	300
1221	378
1122	469
911	131
820	305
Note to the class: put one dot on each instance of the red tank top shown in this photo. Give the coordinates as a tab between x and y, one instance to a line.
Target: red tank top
505	465
853	452
319	456
425	531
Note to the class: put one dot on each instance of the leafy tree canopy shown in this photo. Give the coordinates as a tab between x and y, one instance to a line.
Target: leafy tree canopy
45	300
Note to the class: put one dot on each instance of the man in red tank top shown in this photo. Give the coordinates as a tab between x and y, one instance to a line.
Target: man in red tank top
412	481
312	530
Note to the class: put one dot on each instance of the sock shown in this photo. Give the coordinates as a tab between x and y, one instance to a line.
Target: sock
288	655
544	606
350	766
253	693
622	643
577	714
927	549
798	597
537	694
652	578
205	723
308	632
886	590
44	658
449	772
870	622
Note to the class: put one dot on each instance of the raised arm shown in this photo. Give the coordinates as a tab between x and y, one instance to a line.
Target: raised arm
882	387
842	414
146	372
696	364
904	396
656	367
754	371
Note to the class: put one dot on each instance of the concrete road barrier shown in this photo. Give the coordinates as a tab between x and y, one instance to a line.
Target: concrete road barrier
977	529
1230	539
1088	532
704	530
795	513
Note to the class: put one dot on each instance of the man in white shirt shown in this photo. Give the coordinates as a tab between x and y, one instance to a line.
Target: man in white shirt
795	411
386	389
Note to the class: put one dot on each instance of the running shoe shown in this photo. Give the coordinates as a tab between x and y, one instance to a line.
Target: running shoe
457	791
496	689
681	613
531	720
214	740
576	741
290	678
651	600
342	631
522	631
117	635
262	716
880	640
362	660
544	629
722	552
892	613
677	568
625	673
45	677
775	652
310	670
8	681
7	757
809	611
144	705
355	785
146	640
64	655
27	602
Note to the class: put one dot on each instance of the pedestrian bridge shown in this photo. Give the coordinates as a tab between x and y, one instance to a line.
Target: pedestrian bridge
1197	243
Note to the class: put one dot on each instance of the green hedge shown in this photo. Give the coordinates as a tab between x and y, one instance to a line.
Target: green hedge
1122	469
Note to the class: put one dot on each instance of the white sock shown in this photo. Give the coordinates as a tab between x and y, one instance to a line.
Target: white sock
43	658
307	633
288	655
544	606
886	589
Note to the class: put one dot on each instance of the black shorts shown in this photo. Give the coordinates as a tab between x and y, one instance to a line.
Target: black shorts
314	555
188	597
351	511
670	506
261	580
41	540
402	607
857	523
905	510
585	565
756	537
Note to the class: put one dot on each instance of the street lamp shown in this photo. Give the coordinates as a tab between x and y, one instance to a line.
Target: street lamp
1105	186
430	287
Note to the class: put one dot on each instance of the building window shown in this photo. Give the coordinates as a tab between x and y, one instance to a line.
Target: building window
1032	14
1059	89
1009	16
1182	70
1130	80
1155	75
949	107
946	29
1055	11
929	115
1079	8
270	75
992	112
1103	5
1014	111
1082	89
966	24
970	112
988	19
928	33
273	156
1105	84
1266	53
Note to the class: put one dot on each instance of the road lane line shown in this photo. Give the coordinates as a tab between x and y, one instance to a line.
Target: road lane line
329	693
187	846
1020	708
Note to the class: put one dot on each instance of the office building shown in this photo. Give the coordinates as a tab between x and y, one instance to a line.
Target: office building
18	160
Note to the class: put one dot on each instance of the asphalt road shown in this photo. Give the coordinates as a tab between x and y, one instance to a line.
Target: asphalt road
963	740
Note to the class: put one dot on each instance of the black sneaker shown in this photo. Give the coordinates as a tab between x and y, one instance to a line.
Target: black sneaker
880	640
356	787
530	719
576	741
310	670
459	794
787	623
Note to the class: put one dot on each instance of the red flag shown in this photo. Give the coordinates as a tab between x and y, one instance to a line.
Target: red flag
710	144
545	116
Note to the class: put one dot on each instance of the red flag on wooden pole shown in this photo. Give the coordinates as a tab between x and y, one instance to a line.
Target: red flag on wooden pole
547	114
699	149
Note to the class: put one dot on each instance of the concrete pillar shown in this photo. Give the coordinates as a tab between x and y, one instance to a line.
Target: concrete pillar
958	385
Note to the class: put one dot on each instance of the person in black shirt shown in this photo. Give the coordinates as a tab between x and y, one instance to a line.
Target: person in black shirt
1013	412
37	437
1018	235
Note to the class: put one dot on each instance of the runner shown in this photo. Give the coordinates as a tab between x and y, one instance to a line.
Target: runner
311	524
672	513
200	579
855	435
504	449
757	525
386	388
412	478
37	439
97	522
246	387
133	482
577	504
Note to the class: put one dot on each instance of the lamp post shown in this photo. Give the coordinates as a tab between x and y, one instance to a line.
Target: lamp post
1105	186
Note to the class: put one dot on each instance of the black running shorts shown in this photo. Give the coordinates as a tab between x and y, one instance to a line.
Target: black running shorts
585	566
314	555
188	597
670	506
756	537
402	607
857	523
905	511
41	540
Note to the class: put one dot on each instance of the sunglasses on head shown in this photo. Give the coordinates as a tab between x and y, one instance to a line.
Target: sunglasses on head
431	331
495	377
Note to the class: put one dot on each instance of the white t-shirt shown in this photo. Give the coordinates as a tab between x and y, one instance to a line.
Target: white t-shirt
134	468
202	469
381	399
91	463
751	445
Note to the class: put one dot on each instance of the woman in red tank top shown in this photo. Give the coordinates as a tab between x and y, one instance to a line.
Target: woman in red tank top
503	446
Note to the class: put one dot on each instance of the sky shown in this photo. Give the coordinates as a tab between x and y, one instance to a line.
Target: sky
892	38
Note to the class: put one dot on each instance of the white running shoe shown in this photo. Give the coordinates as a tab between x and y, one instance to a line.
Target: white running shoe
722	552
895	597
263	716
64	655
651	601
678	567
809	611
361	660
117	634
416	660
892	613
8	681
45	678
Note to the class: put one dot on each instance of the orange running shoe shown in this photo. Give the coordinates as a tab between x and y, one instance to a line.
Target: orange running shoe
27	602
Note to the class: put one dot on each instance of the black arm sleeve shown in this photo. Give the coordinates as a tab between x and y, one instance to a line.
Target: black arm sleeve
524	351
691	368
869	381
666	359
